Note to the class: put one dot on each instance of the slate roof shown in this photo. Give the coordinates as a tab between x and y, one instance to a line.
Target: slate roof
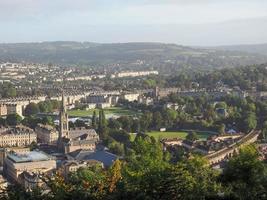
105	157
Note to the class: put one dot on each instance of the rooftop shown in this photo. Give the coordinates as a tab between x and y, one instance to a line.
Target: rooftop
31	156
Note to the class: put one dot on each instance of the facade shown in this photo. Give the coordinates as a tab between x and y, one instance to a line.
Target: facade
17	136
14	108
134	74
3	110
46	134
32	162
81	138
30	180
130	96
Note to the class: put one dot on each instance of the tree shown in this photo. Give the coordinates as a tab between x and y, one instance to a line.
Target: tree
55	104
13	119
94	120
11	92
249	121
45	106
31	121
48	120
79	123
192	136
120	135
157	120
31	109
145	121
221	105
116	148
221	129
102	129
114	175
2	122
136	126
114	123
33	146
246	175
126	123
264	130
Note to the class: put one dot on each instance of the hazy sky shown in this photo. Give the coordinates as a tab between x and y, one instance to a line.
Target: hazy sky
188	22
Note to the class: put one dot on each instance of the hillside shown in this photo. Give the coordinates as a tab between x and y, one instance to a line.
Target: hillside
250	48
164	57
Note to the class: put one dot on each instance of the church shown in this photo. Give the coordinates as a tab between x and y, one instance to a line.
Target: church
71	140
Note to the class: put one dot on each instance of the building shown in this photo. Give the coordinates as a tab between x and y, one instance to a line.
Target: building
3	110
70	166
102	156
81	138
14	108
74	139
6	150
46	134
32	162
17	136
130	96
134	74
30	180
160	93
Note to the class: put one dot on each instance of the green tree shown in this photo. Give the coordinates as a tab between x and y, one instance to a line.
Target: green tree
221	129
246	175
2	121
120	135
33	146
94	120
221	105
31	109
264	130
13	119
114	123
48	120
146	120
136	126
192	136
45	106
249	121
157	120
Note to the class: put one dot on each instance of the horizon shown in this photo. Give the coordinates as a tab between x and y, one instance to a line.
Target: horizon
193	46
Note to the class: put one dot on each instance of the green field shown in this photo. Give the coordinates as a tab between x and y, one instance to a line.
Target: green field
174	134
109	112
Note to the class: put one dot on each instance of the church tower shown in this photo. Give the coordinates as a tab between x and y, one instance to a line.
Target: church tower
63	120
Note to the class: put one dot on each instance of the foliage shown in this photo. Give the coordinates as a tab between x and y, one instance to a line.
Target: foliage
31	109
13	119
192	136
245	175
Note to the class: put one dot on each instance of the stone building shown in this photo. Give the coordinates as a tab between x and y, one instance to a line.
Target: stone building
33	162
17	136
3	110
46	134
74	139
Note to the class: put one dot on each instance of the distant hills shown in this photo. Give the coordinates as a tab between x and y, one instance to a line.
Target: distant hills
250	48
164	57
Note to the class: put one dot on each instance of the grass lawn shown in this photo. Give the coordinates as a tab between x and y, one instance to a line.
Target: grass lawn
174	134
116	111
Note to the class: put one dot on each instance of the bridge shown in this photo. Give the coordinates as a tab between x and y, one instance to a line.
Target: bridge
227	152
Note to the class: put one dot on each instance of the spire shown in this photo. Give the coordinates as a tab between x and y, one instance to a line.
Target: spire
63	106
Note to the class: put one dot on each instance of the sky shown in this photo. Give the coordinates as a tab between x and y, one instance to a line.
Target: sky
186	22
